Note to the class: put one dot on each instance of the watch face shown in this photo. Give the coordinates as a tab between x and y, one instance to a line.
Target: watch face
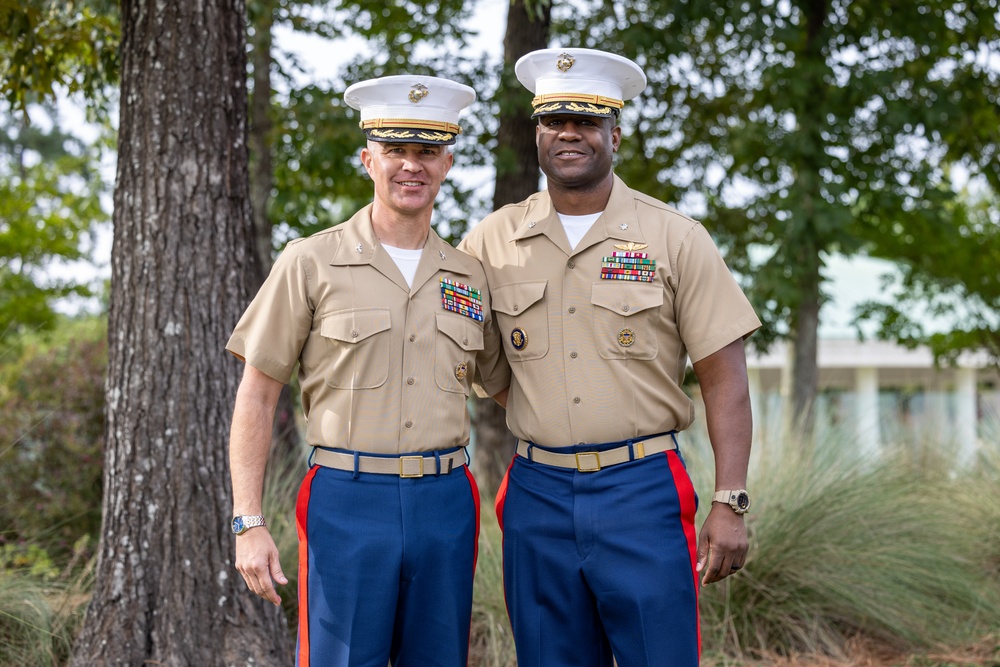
743	502
238	525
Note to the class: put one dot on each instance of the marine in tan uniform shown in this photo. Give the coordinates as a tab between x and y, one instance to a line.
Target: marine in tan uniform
601	295
387	324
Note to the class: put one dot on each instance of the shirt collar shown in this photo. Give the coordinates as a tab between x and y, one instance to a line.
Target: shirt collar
619	220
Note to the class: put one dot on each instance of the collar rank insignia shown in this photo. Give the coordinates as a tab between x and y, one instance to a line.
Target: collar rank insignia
461	299
629	264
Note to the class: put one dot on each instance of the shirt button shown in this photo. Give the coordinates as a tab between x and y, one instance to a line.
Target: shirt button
354	334
572	355
409	424
625	308
576	400
572	309
413	337
465	341
571	264
409	380
515	307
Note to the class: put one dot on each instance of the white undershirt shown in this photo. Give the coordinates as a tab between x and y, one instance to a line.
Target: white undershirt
577	226
406	259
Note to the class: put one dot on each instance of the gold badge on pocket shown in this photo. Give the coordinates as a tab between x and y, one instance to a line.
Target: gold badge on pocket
461	371
626	337
518	339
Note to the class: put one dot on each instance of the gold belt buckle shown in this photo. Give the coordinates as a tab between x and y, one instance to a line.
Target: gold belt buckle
407	470
595	462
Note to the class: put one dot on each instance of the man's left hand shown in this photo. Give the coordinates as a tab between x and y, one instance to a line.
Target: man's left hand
722	545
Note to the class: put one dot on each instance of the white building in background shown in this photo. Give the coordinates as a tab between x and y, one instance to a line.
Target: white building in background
885	393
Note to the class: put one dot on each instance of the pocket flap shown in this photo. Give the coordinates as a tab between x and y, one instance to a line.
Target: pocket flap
626	299
515	298
466	333
352	326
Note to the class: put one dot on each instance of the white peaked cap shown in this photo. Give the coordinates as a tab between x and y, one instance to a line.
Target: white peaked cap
582	81
410	108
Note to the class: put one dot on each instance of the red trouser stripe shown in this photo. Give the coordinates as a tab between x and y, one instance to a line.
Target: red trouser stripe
687	497
301	513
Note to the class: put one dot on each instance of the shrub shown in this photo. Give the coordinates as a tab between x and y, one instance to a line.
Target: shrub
51	437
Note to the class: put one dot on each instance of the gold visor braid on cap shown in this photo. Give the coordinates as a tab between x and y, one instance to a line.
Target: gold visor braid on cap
412	124
577	97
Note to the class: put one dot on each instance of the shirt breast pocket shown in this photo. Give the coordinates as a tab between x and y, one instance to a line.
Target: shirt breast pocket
357	342
458	340
626	319
522	318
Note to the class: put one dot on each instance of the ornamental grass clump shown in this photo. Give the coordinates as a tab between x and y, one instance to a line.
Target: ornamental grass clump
844	546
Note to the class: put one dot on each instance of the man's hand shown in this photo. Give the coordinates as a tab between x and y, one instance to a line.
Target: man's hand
722	545
257	561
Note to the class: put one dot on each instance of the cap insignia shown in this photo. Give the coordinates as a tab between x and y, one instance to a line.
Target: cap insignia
565	62
631	246
418	92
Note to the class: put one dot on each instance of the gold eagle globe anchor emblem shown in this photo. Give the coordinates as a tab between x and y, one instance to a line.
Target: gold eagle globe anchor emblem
418	92
565	62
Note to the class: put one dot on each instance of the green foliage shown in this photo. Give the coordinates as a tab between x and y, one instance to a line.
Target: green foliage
948	278
49	202
52	45
51	439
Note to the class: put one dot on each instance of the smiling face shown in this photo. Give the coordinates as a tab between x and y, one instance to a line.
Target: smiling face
407	177
575	151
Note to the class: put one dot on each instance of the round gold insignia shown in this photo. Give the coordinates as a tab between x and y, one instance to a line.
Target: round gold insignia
626	337
461	371
518	338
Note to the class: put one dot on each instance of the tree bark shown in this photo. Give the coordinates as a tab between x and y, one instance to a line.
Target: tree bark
517	177
183	267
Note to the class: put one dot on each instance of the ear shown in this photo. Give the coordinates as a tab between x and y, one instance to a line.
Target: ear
616	138
449	160
366	159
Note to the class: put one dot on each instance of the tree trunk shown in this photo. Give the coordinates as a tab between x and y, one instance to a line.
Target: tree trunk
805	369
183	267
517	178
285	434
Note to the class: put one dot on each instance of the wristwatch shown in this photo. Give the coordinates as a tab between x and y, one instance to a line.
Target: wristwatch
738	499
242	524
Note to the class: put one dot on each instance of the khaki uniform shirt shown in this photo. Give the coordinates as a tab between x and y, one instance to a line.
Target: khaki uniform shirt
595	359
383	367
